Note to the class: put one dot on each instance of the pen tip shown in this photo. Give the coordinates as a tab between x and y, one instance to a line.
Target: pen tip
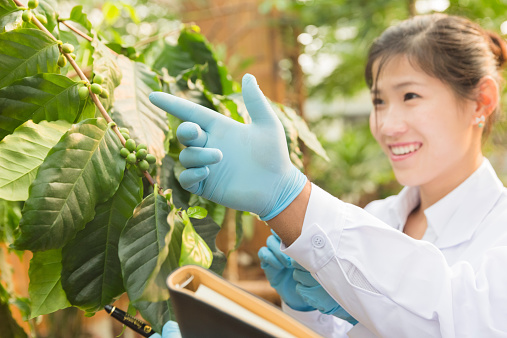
108	308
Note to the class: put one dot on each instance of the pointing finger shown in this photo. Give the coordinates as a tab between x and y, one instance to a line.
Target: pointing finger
185	110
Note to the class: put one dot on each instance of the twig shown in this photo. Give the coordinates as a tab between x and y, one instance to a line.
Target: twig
153	38
77	31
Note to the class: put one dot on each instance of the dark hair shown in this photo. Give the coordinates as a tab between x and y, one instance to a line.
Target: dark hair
451	48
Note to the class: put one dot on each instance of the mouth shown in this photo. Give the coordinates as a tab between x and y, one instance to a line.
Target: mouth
399	150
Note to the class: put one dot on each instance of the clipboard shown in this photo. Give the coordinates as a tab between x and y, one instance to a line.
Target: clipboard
206	305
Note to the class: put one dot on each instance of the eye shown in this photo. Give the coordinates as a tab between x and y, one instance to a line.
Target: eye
377	101
410	96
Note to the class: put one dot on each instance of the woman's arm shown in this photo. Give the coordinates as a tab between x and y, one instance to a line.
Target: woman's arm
397	286
289	222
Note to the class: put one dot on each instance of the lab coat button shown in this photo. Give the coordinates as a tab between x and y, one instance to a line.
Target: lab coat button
318	241
323	318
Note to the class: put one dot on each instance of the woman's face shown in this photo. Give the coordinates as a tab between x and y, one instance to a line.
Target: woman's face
428	137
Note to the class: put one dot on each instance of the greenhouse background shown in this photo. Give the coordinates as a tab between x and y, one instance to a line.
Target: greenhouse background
308	55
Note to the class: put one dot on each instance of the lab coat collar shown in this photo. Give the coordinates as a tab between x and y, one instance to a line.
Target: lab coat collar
457	215
407	200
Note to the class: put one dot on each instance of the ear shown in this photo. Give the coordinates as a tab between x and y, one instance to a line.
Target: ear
487	97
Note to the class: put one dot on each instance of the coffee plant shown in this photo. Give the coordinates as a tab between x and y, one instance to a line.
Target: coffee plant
89	167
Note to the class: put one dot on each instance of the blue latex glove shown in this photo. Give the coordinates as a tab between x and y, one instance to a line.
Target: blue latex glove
170	330
255	173
314	294
278	269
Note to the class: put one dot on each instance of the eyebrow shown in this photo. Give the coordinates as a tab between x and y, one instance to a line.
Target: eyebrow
397	86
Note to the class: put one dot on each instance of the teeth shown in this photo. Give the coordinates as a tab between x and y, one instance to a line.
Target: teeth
402	150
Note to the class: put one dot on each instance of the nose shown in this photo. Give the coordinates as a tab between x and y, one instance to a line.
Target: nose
390	121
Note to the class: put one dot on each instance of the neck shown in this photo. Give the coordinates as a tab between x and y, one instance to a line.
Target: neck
434	191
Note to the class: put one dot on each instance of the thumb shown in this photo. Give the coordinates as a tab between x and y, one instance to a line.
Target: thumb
256	103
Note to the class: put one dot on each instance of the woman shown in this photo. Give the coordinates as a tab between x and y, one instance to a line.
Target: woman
435	88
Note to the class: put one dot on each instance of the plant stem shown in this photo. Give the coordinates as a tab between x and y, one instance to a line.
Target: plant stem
154	38
77	31
83	77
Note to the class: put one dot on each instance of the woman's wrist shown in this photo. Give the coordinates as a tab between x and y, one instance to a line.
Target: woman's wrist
289	223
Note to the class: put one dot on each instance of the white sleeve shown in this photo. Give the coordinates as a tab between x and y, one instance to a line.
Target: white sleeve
325	325
394	285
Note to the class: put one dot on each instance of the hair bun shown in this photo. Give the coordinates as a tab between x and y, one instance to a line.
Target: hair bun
498	47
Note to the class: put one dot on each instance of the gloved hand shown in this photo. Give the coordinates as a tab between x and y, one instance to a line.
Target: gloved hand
255	173
170	330
314	294
278	269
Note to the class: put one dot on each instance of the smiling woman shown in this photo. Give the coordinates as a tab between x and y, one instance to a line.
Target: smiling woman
407	265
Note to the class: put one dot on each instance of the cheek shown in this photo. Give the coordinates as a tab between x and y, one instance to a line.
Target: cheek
373	126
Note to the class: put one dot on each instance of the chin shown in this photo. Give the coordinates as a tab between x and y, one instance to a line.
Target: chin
408	179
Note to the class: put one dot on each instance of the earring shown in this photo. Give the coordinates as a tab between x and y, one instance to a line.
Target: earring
480	121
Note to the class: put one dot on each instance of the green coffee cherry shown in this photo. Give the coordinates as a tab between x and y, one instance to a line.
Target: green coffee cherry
151	158
73	56
26	16
131	158
98	79
62	61
139	172
141	146
33	4
125	136
104	94
83	92
141	154
125	130
96	88
67	48
130	144
144	165
124	152
42	18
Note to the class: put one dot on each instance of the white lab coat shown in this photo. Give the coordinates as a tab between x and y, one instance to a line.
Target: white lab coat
453	283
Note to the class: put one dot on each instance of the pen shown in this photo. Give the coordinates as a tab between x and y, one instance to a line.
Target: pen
135	324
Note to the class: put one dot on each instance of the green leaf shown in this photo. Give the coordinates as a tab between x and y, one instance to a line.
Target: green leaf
229	106
9	15
173	58
207	228
194	249
82	170
10	214
197	212
86	110
77	15
111	12
45	287
23	152
8	325
26	52
156	313
91	271
48	97
304	133
24	306
143	248
133	109
239	229
217	80
106	64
